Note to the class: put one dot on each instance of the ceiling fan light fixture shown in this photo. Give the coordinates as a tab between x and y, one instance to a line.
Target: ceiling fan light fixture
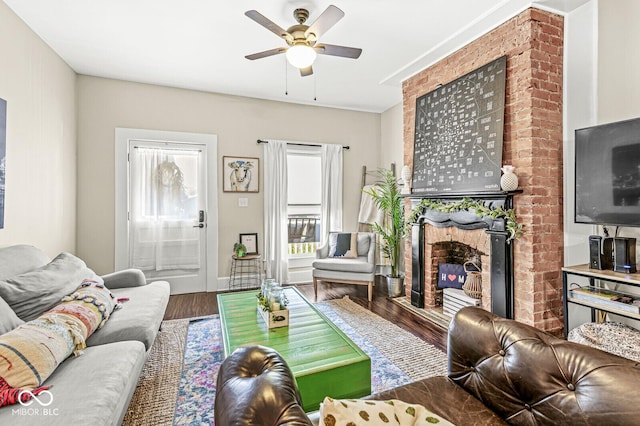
301	56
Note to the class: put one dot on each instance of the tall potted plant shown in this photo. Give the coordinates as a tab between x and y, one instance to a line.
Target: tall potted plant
386	194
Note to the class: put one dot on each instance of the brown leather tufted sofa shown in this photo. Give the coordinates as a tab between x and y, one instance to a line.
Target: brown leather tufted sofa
500	371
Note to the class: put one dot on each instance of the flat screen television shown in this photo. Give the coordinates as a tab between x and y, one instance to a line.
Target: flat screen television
608	174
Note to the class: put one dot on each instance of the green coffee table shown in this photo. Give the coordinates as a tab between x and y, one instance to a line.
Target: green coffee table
324	361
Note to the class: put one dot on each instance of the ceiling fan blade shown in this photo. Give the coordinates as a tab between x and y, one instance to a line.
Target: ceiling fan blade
269	24
266	53
306	71
325	21
342	51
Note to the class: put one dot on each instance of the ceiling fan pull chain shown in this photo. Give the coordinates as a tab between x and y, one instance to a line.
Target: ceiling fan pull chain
315	86
286	78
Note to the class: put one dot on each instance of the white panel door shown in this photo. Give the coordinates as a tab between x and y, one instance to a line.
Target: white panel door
167	213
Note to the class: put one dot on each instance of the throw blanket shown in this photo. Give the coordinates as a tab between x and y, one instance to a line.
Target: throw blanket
368	215
30	353
369	212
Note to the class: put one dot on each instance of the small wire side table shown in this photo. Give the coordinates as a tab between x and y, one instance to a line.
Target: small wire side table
246	272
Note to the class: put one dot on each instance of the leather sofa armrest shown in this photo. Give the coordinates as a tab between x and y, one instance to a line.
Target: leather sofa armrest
125	278
256	386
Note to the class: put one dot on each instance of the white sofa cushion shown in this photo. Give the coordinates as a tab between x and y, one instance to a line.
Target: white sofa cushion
31	293
138	319
92	389
359	265
8	318
20	258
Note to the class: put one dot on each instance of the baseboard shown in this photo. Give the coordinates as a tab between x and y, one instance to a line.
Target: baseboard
300	277
222	284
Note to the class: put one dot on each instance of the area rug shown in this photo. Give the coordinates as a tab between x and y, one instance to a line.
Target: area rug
180	390
154	400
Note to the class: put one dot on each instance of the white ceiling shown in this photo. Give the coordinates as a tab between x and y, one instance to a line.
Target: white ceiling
201	44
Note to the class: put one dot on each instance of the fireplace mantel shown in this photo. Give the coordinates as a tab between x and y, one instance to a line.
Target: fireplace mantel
501	247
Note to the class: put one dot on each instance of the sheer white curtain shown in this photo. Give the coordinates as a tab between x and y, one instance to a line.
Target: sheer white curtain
162	236
275	210
331	218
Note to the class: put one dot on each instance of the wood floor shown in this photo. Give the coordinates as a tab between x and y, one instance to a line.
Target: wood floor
201	304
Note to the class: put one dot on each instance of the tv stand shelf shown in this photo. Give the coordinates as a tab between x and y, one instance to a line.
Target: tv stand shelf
592	275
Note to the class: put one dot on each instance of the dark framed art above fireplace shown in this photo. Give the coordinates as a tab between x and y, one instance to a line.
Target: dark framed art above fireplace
459	133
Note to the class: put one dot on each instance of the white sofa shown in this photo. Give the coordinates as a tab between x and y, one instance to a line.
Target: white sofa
96	387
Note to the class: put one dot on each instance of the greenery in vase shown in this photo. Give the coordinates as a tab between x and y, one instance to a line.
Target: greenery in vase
264	304
239	249
513	227
388	198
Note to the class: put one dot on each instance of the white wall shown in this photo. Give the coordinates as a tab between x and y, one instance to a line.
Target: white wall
391	136
580	110
619	62
105	104
580	98
619	68
392	148
618	77
601	86
40	203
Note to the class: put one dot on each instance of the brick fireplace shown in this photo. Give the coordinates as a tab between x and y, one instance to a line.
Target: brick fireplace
533	45
462	237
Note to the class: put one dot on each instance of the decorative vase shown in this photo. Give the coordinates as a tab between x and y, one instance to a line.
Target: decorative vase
406	180
509	180
275	298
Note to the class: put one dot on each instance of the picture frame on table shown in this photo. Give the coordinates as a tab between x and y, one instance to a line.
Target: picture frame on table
250	240
241	174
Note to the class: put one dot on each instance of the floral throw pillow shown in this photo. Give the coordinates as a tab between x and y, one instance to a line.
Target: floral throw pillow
356	412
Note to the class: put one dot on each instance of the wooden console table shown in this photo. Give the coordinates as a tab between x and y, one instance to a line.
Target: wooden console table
592	275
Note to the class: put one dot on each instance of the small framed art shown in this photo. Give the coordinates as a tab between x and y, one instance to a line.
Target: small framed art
251	242
241	174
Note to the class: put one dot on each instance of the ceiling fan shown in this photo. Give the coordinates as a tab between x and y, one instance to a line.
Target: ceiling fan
301	39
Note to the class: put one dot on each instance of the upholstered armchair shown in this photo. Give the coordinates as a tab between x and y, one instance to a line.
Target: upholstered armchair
356	270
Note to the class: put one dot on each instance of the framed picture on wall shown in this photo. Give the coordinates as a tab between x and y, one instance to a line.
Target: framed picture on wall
251	242
241	174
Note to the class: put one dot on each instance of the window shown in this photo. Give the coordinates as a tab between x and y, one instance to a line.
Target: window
304	200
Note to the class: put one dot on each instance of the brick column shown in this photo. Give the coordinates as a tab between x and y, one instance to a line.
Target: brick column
533	44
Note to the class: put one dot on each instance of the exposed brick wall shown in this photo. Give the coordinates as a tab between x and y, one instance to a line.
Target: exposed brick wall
533	44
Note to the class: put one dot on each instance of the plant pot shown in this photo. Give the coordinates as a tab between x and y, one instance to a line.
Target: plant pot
395	286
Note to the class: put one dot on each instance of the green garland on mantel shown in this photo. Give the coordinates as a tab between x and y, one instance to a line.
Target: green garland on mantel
513	227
